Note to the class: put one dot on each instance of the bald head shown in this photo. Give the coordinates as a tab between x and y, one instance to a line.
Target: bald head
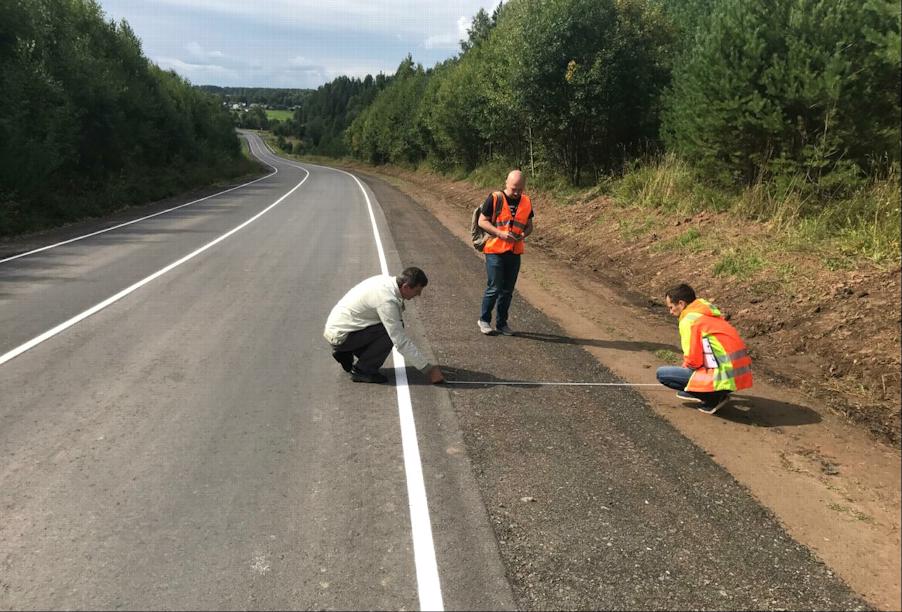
515	183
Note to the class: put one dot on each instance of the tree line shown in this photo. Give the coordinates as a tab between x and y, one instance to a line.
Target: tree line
273	97
803	91
88	124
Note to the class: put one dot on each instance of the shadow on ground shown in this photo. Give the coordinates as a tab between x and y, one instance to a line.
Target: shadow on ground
765	412
622	345
475	379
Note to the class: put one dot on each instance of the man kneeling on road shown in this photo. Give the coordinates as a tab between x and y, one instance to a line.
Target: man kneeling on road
366	323
715	359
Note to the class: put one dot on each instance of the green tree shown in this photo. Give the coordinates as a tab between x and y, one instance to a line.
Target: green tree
808	86
589	74
87	123
387	131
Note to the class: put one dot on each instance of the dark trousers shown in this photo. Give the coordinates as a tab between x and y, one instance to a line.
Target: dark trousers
502	270
370	345
677	378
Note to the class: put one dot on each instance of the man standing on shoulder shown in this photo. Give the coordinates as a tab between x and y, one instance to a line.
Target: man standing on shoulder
367	322
715	359
507	217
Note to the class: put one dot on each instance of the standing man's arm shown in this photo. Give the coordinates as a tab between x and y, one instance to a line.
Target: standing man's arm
528	229
486	224
486	221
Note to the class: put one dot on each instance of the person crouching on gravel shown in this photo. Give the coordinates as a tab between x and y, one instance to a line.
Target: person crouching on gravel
367	322
716	361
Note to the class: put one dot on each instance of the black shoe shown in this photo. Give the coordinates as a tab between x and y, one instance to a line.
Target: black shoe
345	359
363	377
713	406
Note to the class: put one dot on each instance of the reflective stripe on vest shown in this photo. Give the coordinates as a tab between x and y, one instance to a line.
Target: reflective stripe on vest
722	370
738	355
512	224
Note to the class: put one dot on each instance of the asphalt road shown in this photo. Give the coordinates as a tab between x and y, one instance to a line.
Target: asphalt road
191	444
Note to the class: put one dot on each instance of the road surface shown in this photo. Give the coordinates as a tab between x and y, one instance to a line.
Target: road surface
174	434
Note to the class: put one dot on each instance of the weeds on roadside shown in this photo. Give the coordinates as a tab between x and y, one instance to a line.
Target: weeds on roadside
737	262
667	356
844	216
690	240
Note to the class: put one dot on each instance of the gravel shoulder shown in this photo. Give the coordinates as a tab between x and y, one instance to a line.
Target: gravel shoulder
596	501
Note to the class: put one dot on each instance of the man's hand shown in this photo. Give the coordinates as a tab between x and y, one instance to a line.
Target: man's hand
434	375
503	235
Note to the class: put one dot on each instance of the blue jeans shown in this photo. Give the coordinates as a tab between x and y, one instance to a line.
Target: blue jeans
502	270
677	378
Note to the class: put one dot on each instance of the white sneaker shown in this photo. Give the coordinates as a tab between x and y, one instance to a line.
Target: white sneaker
505	330
485	328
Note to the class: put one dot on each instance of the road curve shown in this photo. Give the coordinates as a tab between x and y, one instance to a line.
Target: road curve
174	434
183	440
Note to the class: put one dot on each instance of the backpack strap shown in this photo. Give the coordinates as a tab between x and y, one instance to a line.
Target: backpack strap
496	197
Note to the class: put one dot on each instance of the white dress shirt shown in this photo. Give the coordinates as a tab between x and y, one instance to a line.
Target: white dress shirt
370	302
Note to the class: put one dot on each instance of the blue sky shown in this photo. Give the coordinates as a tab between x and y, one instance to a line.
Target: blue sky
293	43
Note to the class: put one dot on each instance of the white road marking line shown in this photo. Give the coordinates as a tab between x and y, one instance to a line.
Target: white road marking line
553	383
428	584
98	307
156	214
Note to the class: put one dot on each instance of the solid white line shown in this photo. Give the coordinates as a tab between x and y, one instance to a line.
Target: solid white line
98	307
156	214
428	584
552	383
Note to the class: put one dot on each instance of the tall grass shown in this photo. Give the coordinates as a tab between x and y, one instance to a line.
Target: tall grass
667	183
855	218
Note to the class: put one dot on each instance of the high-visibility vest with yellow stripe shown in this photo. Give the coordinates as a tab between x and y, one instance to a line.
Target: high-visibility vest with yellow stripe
713	349
515	224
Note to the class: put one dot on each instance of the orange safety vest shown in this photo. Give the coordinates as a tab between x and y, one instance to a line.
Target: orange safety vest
713	349
514	224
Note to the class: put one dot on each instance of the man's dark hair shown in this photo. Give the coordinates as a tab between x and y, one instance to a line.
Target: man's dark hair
681	293
413	277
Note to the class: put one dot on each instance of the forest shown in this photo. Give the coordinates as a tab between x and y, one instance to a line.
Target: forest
88	124
776	110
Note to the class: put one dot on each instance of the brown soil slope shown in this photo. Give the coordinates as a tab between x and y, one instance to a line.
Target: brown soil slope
834	334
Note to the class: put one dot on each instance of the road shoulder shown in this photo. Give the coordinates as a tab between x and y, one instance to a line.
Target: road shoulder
831	486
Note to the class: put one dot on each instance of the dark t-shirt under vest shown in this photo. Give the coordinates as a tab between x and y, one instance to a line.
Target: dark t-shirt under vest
512	204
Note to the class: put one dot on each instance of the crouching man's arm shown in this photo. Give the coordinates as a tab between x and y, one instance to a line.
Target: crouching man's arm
390	315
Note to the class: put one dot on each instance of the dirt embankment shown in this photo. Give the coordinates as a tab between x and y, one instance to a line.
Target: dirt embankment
834	334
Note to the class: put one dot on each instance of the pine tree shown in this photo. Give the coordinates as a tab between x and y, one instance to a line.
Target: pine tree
798	86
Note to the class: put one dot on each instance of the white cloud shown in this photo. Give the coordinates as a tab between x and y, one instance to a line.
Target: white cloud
196	73
463	24
294	43
302	64
423	19
449	40
199	55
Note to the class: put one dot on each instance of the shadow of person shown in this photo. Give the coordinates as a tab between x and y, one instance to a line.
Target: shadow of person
622	345
466	379
765	412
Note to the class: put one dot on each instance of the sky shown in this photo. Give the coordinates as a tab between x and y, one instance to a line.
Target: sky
293	43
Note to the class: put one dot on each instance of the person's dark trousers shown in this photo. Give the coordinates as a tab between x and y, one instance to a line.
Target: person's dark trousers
502	270
370	345
677	378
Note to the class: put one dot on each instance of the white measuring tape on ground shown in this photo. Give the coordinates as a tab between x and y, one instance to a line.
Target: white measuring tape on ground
553	383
